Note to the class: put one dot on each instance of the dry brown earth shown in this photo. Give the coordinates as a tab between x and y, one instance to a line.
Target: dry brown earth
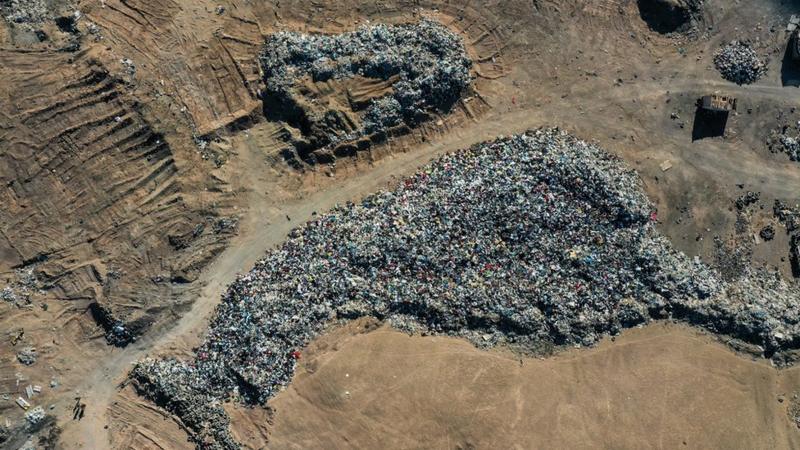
664	386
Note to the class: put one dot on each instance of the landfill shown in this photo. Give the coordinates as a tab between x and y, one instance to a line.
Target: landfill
529	239
739	63
428	62
26	11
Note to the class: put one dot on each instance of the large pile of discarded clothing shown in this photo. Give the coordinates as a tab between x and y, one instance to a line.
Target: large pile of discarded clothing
427	63
534	238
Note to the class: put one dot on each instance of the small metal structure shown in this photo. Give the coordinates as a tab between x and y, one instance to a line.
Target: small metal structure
711	116
718	103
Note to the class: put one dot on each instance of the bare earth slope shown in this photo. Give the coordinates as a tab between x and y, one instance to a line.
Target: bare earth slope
95	200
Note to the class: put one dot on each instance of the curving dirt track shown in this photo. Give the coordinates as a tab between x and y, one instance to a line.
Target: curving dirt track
592	67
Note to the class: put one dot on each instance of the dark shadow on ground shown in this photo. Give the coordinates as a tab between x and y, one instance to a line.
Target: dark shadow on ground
663	16
790	69
708	124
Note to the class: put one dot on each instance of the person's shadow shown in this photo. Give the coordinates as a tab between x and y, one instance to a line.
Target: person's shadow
790	69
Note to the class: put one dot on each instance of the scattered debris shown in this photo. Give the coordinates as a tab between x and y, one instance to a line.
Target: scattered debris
130	68
35	415
733	258
22	288
26	11
767	233
747	199
27	356
791	146
226	225
17	337
785	139
788	216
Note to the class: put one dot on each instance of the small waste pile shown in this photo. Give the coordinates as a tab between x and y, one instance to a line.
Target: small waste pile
787	215
738	62
26	11
536	238
785	139
21	288
791	146
27	356
427	64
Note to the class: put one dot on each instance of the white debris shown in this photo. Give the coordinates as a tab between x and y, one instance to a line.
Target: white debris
23	403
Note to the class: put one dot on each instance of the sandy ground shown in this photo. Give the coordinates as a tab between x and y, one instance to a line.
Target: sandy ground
663	386
591	67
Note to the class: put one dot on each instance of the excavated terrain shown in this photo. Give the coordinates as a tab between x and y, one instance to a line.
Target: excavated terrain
96	202
141	170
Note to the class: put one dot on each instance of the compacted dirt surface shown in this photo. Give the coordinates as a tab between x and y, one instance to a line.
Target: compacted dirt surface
139	173
367	386
664	386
